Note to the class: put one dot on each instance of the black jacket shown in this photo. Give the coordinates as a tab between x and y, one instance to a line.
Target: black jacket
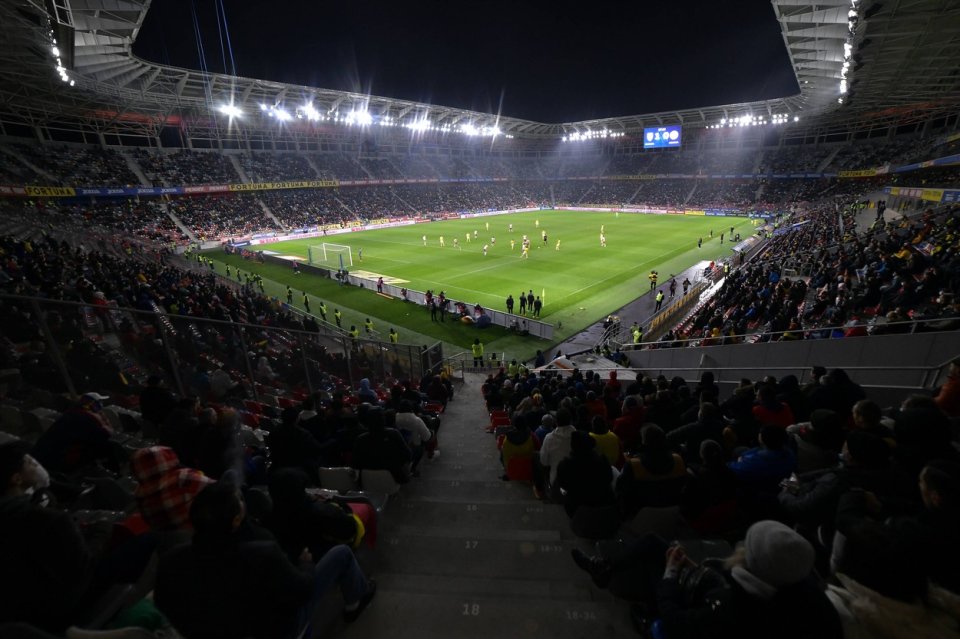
800	611
237	589
46	564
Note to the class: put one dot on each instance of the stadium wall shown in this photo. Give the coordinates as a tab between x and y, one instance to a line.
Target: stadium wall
887	366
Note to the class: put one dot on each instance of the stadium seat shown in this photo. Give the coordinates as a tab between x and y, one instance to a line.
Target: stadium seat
342	479
520	469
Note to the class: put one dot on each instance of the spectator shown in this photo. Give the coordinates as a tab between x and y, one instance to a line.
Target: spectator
948	397
165	489
78	439
556	445
768	588
585	477
654	477
299	521
607	443
227	584
45	559
381	447
817	442
415	431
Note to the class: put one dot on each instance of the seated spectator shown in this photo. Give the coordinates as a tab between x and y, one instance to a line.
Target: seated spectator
437	391
708	500
415	431
299	521
585	476
868	418
292	446
607	443
78	439
627	426
813	499
381	447
45	559
948	397
931	534
768	463
546	426
837	392
518	442
556	445
227	584
687	438
156	402
654	477
264	372
165	489
770	410
767	588
366	394
817	442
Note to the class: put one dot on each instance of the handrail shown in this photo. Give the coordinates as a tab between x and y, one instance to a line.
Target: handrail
685	343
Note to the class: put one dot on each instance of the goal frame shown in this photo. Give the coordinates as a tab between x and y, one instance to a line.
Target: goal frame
327	249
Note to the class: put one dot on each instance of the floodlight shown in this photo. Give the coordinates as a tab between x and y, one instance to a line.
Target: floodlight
280	114
230	110
362	118
72	83
309	112
796	118
843	86
55	51
263	107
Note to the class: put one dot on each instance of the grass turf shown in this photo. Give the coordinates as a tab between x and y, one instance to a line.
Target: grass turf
580	283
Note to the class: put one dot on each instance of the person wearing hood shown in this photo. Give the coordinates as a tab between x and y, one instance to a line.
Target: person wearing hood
767	588
585	477
367	394
165	489
43	553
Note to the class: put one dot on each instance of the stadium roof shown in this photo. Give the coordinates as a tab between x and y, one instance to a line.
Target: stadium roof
898	58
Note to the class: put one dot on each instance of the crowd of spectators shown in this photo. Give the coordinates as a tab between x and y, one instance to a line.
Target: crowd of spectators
843	509
664	192
277	167
171	477
792	159
724	193
299	208
212	217
893	274
80	166
186	167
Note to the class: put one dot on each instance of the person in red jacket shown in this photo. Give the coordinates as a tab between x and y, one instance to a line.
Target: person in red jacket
770	410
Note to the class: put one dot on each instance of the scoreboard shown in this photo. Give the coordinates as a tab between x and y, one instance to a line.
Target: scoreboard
661	136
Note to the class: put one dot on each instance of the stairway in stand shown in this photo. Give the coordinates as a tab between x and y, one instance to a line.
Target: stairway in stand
465	554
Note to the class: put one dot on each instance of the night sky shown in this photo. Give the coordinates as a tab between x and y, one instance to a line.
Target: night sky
553	61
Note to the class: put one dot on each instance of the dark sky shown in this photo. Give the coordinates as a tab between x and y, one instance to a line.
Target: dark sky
552	61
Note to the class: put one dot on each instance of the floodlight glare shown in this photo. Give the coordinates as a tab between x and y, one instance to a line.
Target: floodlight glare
230	110
281	114
310	113
55	51
362	118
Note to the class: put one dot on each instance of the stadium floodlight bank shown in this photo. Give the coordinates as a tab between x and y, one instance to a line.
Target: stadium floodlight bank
330	255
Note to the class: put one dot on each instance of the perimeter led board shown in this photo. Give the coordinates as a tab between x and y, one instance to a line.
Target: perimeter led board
661	136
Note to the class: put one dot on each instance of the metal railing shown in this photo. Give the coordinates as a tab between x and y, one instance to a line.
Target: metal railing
110	349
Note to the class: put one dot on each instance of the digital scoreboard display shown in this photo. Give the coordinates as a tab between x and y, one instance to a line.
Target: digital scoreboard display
661	136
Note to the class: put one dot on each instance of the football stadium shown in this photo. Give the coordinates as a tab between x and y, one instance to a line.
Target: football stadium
647	340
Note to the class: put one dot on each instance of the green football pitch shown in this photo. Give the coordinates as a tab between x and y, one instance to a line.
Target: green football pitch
579	283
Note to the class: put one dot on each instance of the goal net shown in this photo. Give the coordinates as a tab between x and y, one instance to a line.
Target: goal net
329	255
